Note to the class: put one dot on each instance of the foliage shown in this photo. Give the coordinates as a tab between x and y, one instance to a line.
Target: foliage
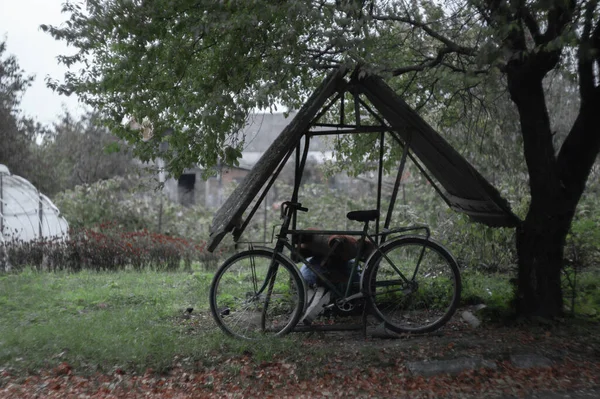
582	254
328	207
587	300
583	243
479	247
231	56
17	133
134	203
107	200
78	152
235	56
493	290
108	247
448	65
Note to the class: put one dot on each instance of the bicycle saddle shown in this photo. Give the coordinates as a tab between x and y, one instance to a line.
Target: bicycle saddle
363	216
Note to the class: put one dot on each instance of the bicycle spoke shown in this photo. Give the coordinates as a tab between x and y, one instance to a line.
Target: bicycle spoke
423	303
248	299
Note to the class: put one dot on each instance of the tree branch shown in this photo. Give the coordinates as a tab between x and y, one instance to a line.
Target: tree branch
418	107
532	25
491	9
410	82
596	36
450	45
558	18
585	60
425	64
595	41
580	149
454	68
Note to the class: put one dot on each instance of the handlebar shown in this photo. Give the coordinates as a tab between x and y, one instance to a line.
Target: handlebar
295	205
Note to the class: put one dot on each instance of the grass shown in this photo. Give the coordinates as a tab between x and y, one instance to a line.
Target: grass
587	294
100	321
124	319
492	289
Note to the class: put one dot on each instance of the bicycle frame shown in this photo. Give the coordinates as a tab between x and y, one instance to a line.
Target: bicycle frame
282	242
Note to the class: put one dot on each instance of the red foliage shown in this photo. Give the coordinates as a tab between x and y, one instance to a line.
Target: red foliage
107	247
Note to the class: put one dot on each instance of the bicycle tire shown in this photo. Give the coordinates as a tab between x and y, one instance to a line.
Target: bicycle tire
239	308
429	297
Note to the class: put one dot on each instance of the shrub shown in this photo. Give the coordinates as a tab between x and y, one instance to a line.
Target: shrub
134	204
477	246
107	247
583	242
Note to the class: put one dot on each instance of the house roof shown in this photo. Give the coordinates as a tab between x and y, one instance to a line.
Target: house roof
466	190
263	128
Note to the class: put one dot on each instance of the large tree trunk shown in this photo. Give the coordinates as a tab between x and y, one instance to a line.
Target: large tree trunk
541	237
557	183
540	247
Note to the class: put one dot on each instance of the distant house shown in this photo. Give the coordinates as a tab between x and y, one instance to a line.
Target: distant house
192	188
262	129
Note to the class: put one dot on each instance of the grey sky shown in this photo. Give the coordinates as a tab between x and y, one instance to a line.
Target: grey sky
36	53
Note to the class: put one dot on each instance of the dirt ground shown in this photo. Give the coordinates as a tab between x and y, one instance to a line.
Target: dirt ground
348	364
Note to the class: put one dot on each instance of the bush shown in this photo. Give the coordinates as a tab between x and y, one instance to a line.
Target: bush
133	204
583	242
107	247
107	200
477	246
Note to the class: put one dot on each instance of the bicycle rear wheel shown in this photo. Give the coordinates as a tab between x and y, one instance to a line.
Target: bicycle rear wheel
249	298
413	285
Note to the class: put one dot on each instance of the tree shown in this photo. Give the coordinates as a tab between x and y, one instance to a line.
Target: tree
80	151
557	180
16	133
200	67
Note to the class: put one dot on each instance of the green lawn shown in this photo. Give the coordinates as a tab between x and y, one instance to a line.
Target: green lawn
125	319
99	321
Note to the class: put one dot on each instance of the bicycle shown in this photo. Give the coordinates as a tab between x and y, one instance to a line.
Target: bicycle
409	282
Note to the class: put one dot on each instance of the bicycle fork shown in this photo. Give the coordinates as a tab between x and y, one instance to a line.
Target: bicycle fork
270	281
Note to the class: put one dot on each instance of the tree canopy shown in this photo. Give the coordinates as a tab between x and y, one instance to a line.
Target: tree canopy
79	152
16	132
197	68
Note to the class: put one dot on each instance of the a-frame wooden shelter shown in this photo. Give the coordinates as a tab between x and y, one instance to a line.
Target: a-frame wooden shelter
462	187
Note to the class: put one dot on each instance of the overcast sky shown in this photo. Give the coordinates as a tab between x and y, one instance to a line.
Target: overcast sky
36	53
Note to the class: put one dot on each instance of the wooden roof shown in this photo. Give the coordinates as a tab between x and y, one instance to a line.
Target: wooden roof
466	190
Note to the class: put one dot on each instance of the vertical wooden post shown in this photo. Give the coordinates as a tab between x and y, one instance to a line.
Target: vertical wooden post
1	204
40	214
161	180
3	252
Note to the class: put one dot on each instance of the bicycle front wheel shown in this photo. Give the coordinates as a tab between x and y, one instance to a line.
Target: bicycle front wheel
255	293
413	285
